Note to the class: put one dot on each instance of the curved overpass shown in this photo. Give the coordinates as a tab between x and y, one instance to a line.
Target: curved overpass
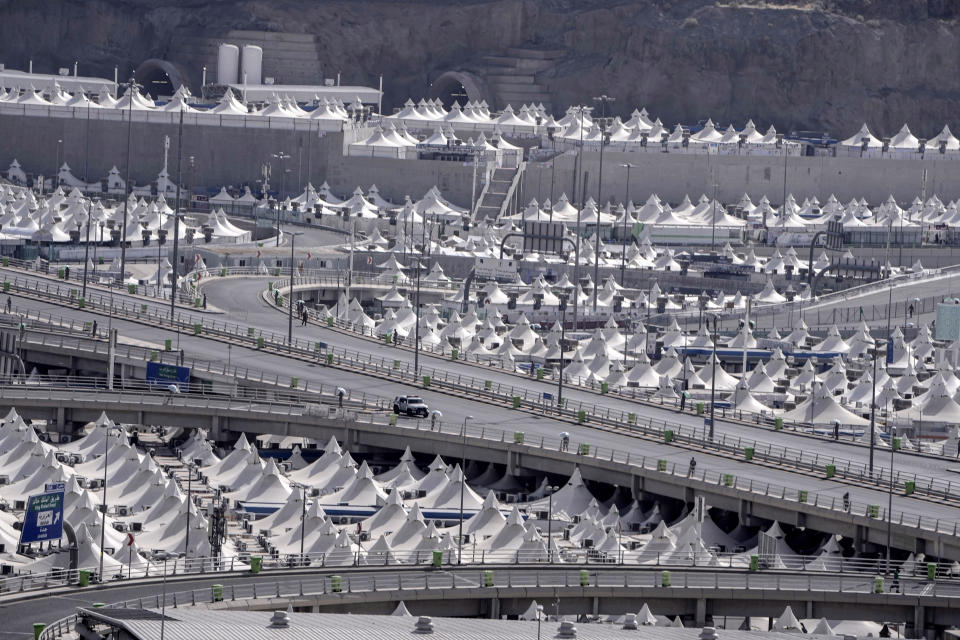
696	594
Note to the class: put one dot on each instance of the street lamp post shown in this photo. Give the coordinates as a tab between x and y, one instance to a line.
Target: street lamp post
603	100
176	221
293	241
623	232
303	521
893	430
416	329
463	481
713	221
132	89
103	507
713	377
873	401
550	491
281	156
563	335
186	541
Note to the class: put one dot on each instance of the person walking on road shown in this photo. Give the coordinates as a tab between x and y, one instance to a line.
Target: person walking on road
846	502
693	467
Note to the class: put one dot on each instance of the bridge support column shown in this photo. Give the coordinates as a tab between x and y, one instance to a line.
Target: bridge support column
61	419
859	539
745	511
511	462
596	606
636	487
919	623
215	432
919	545
701	615
349	439
494	608
809	609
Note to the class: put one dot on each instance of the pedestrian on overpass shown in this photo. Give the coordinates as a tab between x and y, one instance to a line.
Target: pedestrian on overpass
303	318
9	304
693	467
846	502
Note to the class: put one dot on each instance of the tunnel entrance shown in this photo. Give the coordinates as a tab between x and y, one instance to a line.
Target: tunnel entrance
160	78
458	86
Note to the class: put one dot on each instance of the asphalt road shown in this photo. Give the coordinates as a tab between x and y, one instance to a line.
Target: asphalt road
242	294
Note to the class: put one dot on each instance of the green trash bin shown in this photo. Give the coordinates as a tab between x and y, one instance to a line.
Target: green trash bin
6	261
831	470
454	354
896	444
515	402
778	424
294	382
931	571
873	510
661	465
82	303
488	578
223	272
197	328
256	563
909	487
396	364
632	418
668	435
276	271
802	495
584	578
583	449
540	373
83	578
581	416
167	344
60	273
437	559
38	627
260	342
336	584
73	293
330	359
6	286
748	453
269	286
143	308
878	584
330	321
487	385
518	437
754	562
393	419
699	408
250	332
426	381
131	288
388	338
216	592
153	356
728	479
664	578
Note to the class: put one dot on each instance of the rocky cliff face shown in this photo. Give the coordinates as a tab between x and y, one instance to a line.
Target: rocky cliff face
801	64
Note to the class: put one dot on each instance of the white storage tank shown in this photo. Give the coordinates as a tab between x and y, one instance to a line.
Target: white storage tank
252	69
228	64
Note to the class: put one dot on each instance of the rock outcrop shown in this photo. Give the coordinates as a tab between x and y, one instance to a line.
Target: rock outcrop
801	64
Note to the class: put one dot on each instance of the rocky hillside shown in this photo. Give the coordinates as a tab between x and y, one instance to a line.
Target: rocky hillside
817	64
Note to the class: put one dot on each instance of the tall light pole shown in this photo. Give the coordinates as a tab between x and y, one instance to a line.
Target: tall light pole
623	232
416	329
603	100
281	156
176	221
303	521
563	335
713	221
86	162
463	481
103	508
893	430
873	401
550	491
186	541
132	89
293	242
713	376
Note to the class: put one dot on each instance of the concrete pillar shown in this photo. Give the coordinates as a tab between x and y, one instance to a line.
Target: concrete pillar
596	606
809	615
511	462
919	622
919	545
215	432
349	439
636	487
859	539
61	418
494	608
701	614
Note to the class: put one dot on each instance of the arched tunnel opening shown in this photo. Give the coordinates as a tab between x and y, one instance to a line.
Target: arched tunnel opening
160	78
458	86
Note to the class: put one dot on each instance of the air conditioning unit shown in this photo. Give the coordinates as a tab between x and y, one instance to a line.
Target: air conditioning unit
4	480
314	493
123	510
541	515
61	456
566	534
19	505
93	483
285	467
576	519
120	526
421	493
76	458
364	536
136	526
65	438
